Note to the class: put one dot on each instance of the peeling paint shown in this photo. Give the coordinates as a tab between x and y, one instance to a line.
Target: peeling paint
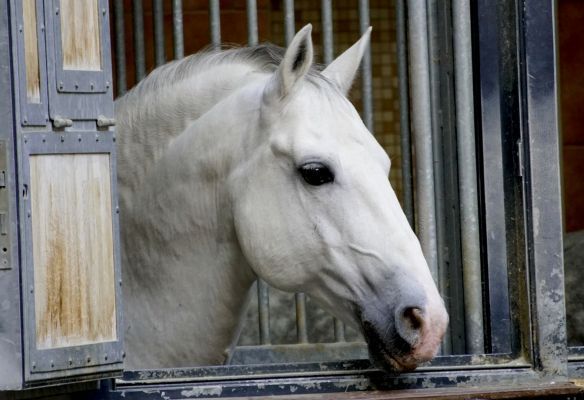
198	391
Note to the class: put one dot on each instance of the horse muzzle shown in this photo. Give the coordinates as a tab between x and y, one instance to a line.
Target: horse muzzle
409	337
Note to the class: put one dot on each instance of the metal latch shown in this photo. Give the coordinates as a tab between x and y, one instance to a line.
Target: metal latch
104	122
61	122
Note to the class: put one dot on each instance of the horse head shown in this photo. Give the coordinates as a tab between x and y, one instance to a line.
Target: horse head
314	211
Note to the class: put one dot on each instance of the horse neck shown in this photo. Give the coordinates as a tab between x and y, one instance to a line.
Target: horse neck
180	250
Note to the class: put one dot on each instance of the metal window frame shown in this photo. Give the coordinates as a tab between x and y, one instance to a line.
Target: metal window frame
63	364
529	273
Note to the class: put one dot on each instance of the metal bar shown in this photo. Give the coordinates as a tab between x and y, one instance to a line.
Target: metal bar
264	312
301	331
289	28
422	130
327	31
434	61
366	68
252	22
328	54
467	175
215	23
140	60
177	31
158	19
121	80
404	112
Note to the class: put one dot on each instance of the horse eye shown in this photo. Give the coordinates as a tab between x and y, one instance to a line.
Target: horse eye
316	174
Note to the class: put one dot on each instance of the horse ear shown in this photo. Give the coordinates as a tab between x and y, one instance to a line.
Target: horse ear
294	66
343	69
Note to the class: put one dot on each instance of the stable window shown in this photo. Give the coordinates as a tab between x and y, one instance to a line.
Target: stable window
463	96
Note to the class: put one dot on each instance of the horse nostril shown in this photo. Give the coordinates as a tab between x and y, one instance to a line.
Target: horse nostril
413	317
409	323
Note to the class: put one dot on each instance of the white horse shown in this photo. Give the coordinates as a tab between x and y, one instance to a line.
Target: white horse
252	163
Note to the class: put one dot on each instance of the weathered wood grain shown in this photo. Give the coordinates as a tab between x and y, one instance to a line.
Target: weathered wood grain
31	54
80	35
72	249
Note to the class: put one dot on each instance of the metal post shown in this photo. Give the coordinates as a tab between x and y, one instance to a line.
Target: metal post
467	175
301	332
422	130
264	311
158	19
252	22
121	80
404	111
434	61
328	54
215	23
140	60
177	32
289	28
327	30
366	68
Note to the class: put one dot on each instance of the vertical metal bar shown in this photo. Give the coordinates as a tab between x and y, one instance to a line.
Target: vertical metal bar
327	30
300	298
121	80
289	28
177	31
366	68
264	311
422	130
467	175
301	332
328	53
542	181
140	60
158	19
215	23
252	22
434	61
404	112
263	289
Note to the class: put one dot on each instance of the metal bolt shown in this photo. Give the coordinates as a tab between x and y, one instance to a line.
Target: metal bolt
76	85
52	364
103	11
25	120
114	138
123	354
31	289
91	86
120	282
61	85
79	138
19	28
57	10
33	365
70	361
107	84
62	138
42	28
97	138
25	139
88	359
105	357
